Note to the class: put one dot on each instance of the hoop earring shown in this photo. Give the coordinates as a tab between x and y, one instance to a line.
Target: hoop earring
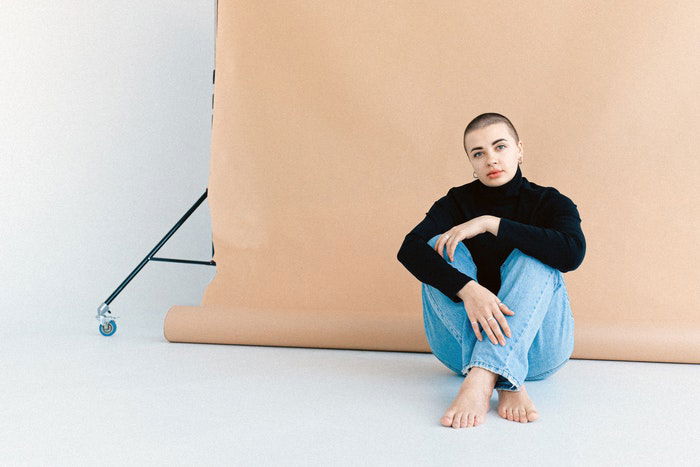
475	175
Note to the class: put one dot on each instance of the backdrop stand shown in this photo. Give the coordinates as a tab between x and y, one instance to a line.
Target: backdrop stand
104	315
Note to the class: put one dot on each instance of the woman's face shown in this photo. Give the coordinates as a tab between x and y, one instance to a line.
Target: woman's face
492	148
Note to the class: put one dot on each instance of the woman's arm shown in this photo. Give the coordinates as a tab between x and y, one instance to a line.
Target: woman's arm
426	264
558	242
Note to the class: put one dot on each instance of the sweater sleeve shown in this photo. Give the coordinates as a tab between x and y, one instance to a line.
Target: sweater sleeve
558	241
423	261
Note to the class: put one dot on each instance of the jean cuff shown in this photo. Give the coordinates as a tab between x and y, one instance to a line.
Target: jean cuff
511	383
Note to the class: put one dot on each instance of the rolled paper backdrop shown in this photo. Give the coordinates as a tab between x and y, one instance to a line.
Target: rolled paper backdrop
338	124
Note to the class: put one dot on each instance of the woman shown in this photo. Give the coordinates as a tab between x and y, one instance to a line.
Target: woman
494	248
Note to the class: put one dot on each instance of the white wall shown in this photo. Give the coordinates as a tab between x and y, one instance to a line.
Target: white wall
105	129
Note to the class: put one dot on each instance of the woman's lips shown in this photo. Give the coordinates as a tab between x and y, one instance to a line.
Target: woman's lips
496	174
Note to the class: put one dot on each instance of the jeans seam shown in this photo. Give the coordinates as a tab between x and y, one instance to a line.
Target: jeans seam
567	299
508	356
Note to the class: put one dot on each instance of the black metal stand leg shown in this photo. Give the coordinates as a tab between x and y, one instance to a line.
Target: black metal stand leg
103	309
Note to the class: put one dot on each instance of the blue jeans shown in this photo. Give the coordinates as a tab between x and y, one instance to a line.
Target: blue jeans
542	327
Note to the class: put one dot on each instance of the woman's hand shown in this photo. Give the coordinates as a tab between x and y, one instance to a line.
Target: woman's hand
469	229
481	304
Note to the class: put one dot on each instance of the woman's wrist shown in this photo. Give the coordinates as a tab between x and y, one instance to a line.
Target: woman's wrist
491	224
466	289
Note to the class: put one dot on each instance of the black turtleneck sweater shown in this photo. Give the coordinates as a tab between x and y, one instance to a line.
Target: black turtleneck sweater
537	220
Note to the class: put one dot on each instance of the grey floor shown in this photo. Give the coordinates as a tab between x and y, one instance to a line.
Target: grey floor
73	397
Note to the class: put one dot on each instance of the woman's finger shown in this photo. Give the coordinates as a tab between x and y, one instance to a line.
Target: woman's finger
504	308
485	324
440	245
454	242
453	247
448	247
502	321
437	246
496	328
475	327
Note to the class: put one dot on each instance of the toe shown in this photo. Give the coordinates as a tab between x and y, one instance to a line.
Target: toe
523	415
509	414
532	415
471	420
446	419
456	420
464	422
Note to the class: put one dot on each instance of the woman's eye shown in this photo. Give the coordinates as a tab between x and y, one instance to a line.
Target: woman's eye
477	153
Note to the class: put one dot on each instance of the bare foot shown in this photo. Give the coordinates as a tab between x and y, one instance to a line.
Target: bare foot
469	407
516	406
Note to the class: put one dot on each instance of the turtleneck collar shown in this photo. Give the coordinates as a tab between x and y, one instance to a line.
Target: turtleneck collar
508	190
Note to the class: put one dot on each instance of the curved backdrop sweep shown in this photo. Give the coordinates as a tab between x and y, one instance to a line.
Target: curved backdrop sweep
337	124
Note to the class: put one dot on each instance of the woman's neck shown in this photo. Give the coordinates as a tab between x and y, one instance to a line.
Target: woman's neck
507	191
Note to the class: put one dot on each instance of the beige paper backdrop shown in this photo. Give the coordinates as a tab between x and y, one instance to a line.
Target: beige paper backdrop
337	124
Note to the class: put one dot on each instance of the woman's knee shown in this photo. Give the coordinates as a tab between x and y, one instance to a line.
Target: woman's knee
434	240
518	259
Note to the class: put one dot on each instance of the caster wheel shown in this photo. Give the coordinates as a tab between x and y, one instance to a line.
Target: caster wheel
109	328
